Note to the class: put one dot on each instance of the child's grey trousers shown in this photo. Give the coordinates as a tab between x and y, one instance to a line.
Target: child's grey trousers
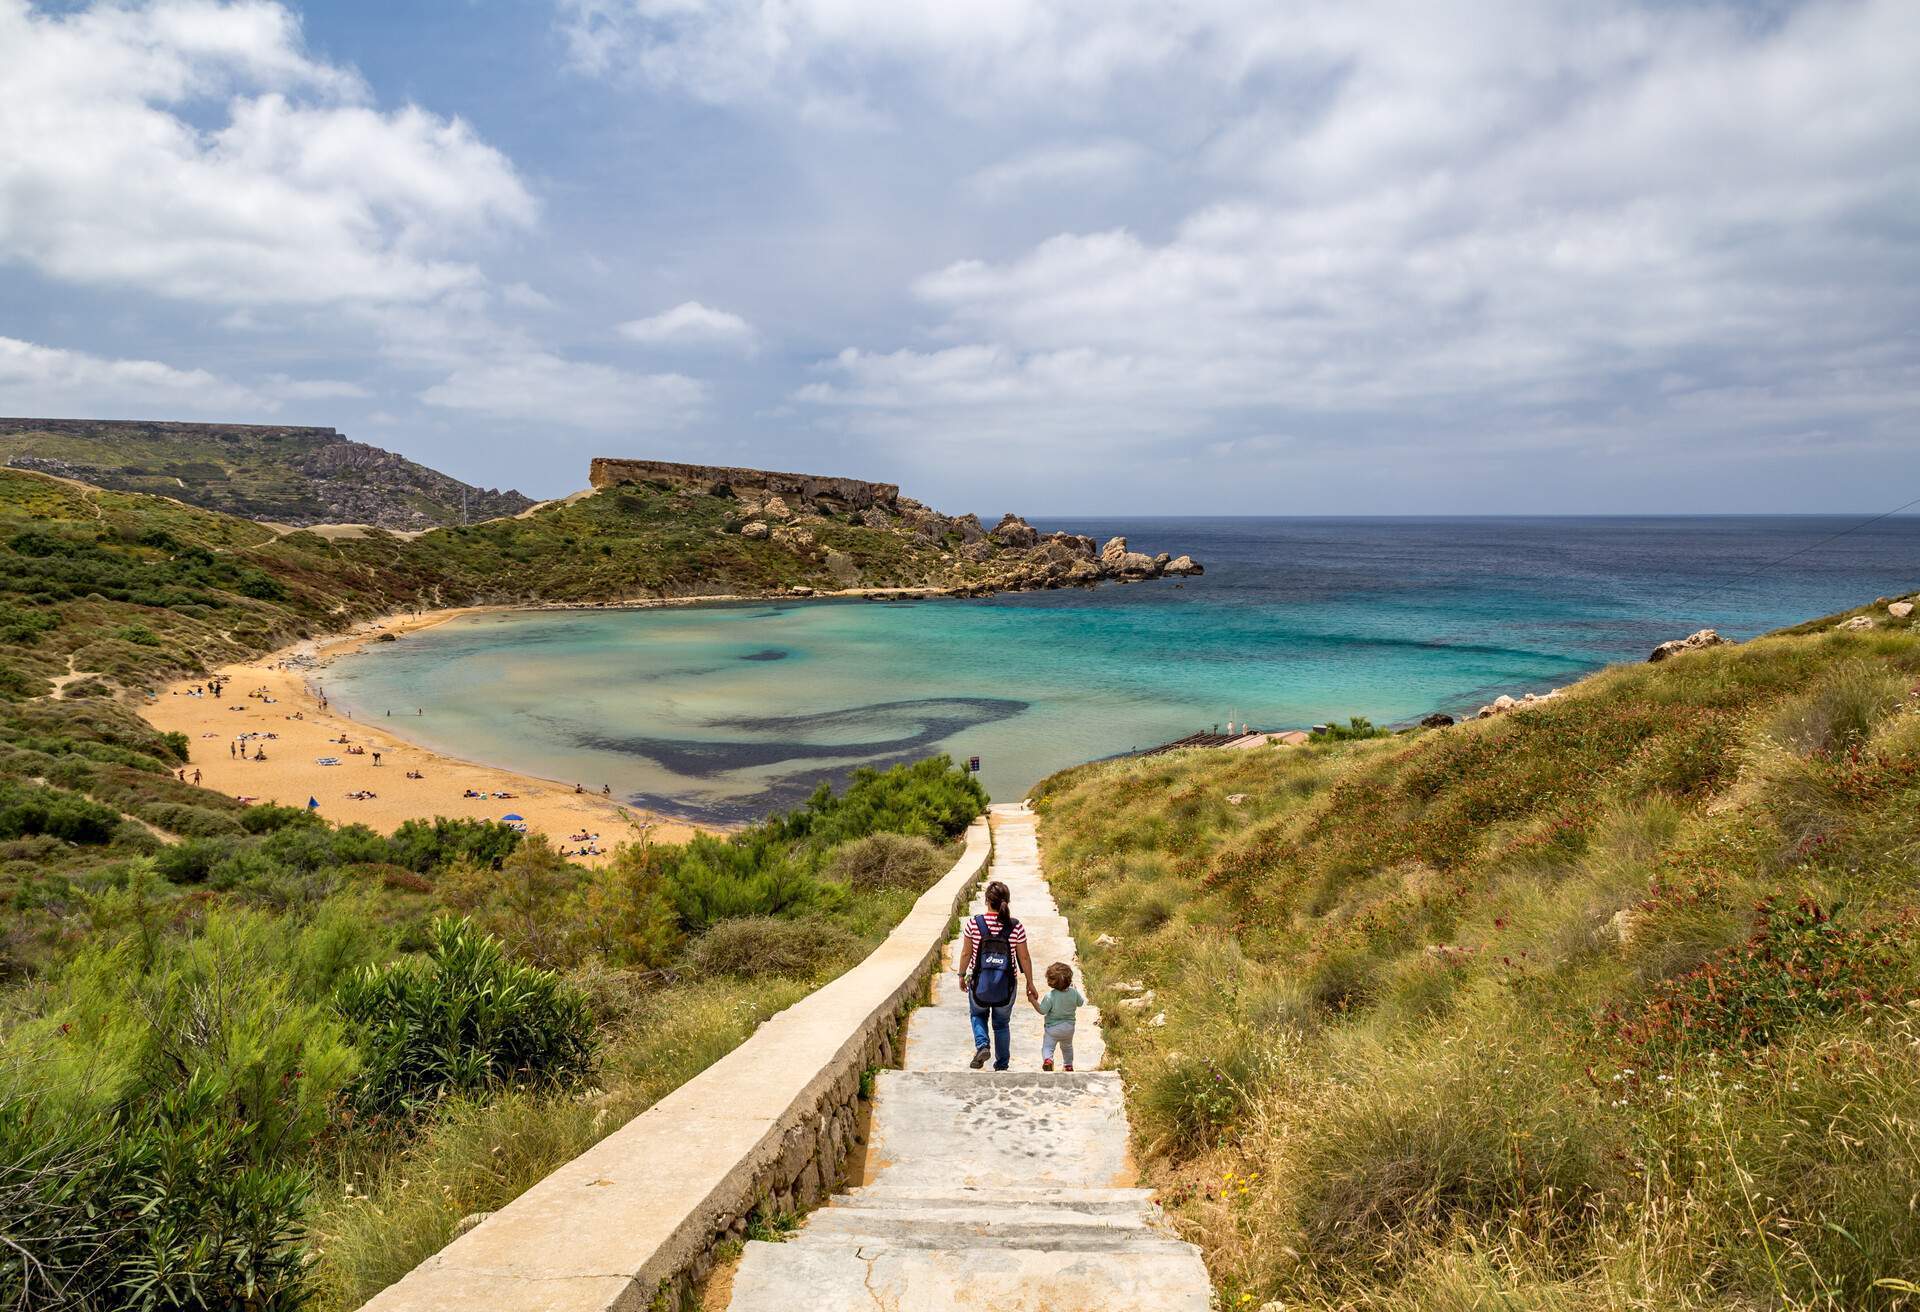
1061	1034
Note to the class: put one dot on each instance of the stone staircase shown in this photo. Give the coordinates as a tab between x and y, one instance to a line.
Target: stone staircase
1004	1191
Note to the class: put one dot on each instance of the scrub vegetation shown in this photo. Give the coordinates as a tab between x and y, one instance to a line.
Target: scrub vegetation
252	1059
275	1069
1608	1002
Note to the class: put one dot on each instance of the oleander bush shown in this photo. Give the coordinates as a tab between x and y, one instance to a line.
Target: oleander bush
461	1020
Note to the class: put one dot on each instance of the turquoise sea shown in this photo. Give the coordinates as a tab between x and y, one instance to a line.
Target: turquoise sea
725	712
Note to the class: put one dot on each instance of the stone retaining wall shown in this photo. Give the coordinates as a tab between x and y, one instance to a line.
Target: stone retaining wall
632	1223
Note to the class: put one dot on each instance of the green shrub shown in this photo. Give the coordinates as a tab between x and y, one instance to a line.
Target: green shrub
63	815
160	1205
462	1020
716	880
190	821
425	846
193	861
268	817
750	947
885	861
932	798
22	626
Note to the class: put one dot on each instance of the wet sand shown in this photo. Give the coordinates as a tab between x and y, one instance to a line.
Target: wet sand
305	733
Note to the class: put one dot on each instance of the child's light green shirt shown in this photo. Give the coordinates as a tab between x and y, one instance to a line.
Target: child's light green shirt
1058	1006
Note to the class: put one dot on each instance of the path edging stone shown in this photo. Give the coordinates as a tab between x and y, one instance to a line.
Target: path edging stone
633	1222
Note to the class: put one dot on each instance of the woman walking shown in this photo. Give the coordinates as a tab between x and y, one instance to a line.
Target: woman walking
993	959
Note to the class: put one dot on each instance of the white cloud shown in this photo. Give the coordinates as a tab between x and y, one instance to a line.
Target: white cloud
825	53
1088	164
542	388
315	389
525	297
193	150
1460	223
690	324
47	380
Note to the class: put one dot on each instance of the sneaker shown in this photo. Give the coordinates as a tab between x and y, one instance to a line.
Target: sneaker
980	1056
1067	1067
1046	1064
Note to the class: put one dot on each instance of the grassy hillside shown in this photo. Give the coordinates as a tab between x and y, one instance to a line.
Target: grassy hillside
250	1058
1610	1002
295	476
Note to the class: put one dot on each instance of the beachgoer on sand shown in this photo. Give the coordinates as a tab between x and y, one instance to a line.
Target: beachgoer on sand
993	957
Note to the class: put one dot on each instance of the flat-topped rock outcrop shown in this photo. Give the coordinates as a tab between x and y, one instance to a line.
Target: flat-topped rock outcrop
818	490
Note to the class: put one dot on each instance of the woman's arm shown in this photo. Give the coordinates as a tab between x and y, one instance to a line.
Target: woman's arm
1026	968
966	956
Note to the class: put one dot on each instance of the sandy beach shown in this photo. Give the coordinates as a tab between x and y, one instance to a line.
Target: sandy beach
274	696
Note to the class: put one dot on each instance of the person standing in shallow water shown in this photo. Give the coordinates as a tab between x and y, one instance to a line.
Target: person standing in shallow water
993	961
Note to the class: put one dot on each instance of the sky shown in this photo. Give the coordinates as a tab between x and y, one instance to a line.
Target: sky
1059	256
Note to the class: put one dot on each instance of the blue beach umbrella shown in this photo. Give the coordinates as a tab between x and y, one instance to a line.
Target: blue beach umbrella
313	804
510	817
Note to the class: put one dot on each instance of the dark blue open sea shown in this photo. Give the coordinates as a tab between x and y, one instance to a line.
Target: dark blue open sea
725	712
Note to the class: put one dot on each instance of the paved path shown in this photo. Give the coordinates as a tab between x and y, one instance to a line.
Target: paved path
1010	1192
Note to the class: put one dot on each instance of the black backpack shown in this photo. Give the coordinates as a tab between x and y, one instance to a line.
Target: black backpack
995	976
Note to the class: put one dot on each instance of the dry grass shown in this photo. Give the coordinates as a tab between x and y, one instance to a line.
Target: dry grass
1401	1067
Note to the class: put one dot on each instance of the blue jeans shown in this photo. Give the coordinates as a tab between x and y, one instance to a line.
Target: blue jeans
1002	1041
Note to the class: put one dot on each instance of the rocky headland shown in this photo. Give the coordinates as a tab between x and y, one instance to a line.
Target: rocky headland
792	510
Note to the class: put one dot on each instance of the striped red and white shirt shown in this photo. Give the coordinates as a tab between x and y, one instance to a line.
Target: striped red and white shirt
1019	936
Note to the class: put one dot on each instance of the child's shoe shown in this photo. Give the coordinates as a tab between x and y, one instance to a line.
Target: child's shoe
1067	1067
1046	1064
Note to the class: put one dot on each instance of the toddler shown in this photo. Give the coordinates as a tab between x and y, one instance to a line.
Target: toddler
1056	1015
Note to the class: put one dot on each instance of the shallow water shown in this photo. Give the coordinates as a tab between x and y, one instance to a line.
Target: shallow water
725	712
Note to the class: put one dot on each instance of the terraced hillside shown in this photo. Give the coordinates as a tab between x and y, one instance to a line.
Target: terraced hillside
1611	1001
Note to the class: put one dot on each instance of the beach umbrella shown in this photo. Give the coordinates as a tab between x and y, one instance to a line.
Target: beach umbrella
313	804
510	817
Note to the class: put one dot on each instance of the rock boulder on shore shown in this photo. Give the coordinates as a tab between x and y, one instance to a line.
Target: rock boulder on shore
1692	642
1014	531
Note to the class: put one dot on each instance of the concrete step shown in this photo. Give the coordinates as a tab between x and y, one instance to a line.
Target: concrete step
1004	1192
845	1278
876	1197
834	1226
934	1129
